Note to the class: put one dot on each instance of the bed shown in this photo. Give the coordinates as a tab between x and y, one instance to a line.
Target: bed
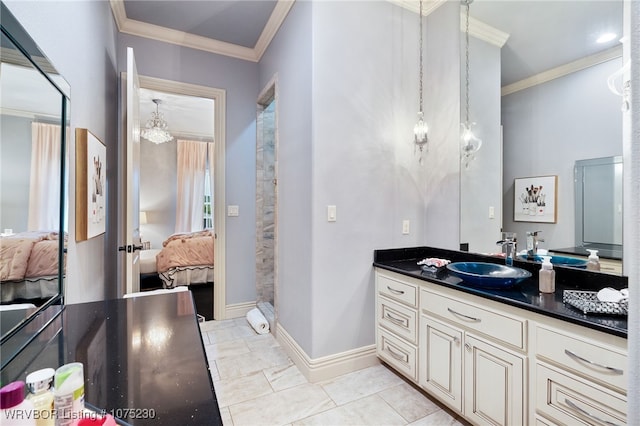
185	259
28	266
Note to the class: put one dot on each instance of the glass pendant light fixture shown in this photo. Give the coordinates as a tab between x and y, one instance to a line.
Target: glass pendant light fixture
420	130
156	129
470	142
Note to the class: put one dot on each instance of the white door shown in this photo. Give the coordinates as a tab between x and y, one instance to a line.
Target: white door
131	180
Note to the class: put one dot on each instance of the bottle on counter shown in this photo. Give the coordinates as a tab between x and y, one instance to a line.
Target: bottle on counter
15	410
69	393
547	276
41	395
593	263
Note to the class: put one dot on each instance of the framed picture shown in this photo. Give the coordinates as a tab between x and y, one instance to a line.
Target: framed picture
91	167
536	199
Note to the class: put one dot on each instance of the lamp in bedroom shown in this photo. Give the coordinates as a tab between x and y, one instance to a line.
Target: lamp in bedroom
156	129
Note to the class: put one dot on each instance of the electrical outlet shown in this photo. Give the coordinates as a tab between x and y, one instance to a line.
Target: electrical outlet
405	227
233	210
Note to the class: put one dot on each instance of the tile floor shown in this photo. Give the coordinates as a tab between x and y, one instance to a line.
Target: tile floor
257	384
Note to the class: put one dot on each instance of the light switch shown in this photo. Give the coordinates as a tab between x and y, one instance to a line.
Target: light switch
405	227
331	213
492	212
233	210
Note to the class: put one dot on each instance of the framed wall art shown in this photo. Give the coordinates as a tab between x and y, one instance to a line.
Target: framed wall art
536	199
91	167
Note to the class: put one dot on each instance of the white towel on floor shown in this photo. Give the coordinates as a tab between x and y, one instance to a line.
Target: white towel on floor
258	321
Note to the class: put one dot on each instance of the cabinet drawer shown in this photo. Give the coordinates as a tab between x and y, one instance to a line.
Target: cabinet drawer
597	362
493	324
398	318
398	290
573	401
397	353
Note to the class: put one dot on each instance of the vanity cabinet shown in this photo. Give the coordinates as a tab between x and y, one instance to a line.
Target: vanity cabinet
464	359
498	364
397	323
579	381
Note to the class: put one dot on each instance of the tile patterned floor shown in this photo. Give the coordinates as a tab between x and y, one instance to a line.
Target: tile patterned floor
257	384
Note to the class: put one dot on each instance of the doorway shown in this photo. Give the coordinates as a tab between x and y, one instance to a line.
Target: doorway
267	203
219	107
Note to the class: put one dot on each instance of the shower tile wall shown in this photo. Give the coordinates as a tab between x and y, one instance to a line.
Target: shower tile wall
265	205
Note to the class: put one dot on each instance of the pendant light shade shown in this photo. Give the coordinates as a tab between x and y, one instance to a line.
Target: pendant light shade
156	129
470	142
421	129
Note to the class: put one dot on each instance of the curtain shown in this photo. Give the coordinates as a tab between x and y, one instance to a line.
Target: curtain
44	182
191	169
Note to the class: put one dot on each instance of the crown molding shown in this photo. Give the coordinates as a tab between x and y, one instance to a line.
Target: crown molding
414	6
562	70
483	31
181	38
276	19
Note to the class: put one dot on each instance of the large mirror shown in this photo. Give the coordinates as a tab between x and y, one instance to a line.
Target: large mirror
34	106
539	95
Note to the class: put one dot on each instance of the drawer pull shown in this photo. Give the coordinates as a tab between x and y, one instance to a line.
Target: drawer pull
394	291
464	316
587	414
395	320
611	369
395	354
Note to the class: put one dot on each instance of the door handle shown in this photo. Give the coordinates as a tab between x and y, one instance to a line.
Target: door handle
130	248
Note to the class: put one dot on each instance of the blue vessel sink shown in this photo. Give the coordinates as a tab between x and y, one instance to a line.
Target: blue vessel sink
488	275
558	260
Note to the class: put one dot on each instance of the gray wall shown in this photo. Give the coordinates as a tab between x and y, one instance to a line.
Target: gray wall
546	129
79	39
347	105
481	181
289	56
15	169
239	79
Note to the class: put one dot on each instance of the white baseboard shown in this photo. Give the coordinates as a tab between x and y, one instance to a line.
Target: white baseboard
327	367
238	310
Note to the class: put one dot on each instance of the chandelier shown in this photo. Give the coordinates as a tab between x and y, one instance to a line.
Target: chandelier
470	142
156	129
420	130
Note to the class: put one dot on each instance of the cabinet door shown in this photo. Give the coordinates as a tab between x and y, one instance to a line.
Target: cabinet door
440	368
494	383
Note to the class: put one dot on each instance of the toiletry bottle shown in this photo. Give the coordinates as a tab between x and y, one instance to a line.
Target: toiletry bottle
15	410
69	393
547	276
593	263
40	393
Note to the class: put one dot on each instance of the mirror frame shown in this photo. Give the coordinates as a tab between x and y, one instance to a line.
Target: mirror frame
24	44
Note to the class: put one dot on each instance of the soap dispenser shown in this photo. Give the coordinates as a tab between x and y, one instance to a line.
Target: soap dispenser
593	263
547	276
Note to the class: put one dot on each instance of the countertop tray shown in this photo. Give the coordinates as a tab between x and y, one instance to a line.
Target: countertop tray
588	303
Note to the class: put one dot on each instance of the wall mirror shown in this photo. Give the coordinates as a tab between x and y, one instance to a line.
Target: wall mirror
541	101
34	112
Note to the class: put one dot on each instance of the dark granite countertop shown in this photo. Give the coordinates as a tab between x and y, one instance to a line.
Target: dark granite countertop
525	295
143	357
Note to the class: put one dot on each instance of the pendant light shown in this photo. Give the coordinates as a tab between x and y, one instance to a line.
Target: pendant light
470	142
156	129
420	130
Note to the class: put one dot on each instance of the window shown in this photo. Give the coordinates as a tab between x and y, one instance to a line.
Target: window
208	205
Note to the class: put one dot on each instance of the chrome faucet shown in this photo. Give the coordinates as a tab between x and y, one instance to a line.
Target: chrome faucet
533	238
508	244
